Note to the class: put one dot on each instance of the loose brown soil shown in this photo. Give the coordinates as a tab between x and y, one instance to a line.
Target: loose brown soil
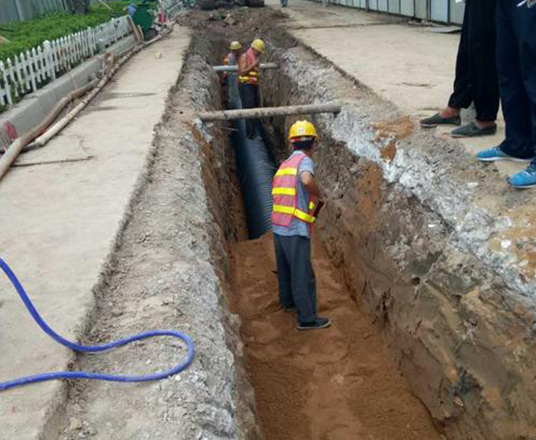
334	384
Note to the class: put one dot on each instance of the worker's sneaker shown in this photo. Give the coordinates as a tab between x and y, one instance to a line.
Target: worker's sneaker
318	324
493	154
525	179
437	119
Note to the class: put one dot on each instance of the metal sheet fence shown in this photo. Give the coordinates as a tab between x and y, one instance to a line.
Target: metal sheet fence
445	11
20	10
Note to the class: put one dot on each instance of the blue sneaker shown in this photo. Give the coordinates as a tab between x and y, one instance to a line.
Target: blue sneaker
525	179
496	153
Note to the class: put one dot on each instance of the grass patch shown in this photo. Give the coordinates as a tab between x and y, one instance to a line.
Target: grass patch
27	34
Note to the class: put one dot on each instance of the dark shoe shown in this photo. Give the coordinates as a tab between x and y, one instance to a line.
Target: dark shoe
318	324
289	309
436	120
472	130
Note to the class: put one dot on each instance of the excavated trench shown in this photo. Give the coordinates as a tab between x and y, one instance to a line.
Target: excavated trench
397	363
338	384
417	319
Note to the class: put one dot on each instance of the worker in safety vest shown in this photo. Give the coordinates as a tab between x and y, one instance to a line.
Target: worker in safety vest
248	65
232	57
231	60
297	201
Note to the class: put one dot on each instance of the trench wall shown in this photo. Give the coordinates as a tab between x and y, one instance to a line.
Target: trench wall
217	401
404	225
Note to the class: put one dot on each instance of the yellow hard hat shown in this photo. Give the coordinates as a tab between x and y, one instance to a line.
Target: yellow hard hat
258	45
235	45
302	129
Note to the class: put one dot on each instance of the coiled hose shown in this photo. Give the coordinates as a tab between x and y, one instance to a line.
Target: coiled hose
94	349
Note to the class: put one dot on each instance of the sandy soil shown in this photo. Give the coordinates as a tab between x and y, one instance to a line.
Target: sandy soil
335	384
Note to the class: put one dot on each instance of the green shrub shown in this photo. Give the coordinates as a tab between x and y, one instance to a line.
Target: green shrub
27	34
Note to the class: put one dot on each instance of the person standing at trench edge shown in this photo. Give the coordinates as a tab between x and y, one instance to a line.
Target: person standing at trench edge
248	66
476	74
294	211
516	61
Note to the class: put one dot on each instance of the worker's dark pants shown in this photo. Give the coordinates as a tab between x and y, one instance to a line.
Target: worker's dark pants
516	59
249	94
297	285
476	74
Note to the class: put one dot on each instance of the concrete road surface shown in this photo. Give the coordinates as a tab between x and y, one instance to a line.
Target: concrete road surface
60	218
407	64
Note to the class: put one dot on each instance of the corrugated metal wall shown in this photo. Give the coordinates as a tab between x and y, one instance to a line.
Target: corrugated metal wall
19	10
445	11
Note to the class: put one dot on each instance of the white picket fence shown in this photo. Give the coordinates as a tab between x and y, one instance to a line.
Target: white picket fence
29	71
172	8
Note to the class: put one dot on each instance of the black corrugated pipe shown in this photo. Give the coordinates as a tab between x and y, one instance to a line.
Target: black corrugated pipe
256	168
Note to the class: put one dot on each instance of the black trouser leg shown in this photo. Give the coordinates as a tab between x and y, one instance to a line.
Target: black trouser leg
297	254
250	99
528	68
283	274
462	97
516	49
476	73
483	60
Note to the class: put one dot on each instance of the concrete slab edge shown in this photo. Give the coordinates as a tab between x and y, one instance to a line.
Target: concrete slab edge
409	171
456	308
32	110
53	415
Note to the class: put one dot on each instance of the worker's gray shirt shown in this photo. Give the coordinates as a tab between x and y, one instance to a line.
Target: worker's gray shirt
232	59
298	227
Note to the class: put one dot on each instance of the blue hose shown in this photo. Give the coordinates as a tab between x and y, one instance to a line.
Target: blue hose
96	349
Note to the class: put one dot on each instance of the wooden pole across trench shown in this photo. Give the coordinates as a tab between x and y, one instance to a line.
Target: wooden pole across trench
269	112
234	68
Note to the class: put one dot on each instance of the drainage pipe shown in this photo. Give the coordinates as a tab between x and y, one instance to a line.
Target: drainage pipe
256	168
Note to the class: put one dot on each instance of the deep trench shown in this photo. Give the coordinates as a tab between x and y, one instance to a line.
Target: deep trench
338	384
279	384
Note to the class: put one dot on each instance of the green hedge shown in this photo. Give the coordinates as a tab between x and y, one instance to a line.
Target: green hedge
27	34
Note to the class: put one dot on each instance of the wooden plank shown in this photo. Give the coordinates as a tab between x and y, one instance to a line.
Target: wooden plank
21	79
30	57
11	78
24	67
268	112
7	88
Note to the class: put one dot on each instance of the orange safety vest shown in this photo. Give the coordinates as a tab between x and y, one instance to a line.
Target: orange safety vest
252	77
285	194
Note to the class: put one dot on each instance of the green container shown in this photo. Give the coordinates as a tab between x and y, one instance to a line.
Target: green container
144	17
